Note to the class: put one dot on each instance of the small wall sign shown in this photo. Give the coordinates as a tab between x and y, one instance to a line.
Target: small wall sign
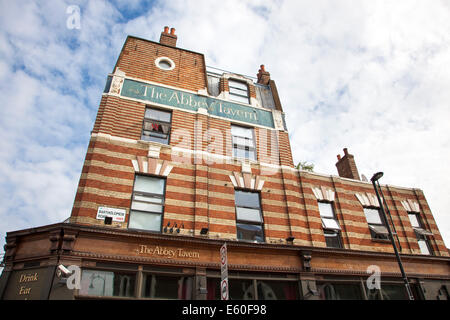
117	215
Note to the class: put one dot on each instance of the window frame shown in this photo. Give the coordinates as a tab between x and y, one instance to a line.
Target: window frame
214	279
153	195
139	271
329	230
146	274
159	122
376	236
243	147
249	222
335	289
119	271
420	237
108	84
423	238
164	59
234	94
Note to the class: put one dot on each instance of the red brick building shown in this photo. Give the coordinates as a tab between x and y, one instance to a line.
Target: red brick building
183	158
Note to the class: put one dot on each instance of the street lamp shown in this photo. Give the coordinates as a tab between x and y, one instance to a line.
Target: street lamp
376	186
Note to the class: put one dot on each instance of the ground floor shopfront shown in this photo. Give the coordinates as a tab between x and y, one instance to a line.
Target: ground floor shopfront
125	264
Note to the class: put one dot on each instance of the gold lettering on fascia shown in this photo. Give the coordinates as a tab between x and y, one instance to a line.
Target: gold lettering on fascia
24	291
26	278
169	253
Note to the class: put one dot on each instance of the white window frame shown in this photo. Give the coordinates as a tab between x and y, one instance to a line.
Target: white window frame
326	219
247	145
237	92
421	233
148	123
255	221
165	59
151	200
378	230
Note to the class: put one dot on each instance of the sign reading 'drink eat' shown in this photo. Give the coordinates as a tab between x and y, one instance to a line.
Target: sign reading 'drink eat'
190	101
117	215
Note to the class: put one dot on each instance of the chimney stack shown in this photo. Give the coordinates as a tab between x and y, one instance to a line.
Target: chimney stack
263	76
346	166
167	38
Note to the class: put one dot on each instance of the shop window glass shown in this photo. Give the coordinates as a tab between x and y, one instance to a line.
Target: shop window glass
388	292
340	291
277	290
244	289
166	287
107	283
240	289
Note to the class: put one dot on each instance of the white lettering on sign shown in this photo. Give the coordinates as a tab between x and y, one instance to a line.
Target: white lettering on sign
117	215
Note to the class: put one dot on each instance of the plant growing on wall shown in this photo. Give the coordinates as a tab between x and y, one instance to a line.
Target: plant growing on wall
304	165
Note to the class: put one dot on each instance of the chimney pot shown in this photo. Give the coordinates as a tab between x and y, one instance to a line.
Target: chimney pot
263	75
169	39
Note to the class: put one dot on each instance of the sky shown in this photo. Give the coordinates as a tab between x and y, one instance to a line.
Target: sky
370	76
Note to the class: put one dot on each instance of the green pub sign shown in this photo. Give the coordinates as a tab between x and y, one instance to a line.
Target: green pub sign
189	101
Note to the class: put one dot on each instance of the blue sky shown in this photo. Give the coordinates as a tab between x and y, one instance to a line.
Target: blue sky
372	76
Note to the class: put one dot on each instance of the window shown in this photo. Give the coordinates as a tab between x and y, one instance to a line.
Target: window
376	223
340	291
330	225
251	289
213	84
108	84
332	238
166	287
421	233
243	142
388	292
107	283
156	125
238	91
165	63
414	219
147	203
249	222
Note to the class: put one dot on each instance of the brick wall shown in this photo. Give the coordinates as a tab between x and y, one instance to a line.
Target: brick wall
200	195
199	191
138	56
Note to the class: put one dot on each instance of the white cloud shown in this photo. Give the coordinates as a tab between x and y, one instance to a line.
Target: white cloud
367	75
